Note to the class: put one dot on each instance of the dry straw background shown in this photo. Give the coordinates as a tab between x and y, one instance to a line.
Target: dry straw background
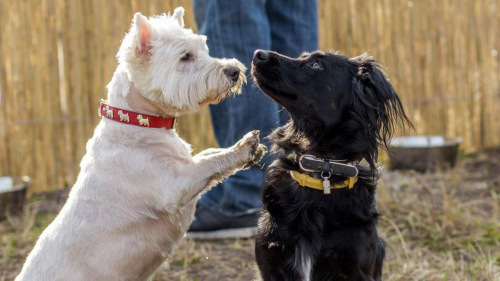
56	57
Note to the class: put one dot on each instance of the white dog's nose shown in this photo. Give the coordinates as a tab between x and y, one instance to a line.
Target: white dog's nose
233	73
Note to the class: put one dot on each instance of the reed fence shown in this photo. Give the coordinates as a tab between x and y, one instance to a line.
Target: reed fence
56	57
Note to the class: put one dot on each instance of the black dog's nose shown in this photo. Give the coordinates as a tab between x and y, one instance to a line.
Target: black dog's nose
233	73
260	55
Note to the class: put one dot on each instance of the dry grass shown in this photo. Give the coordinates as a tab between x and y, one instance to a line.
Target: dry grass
440	226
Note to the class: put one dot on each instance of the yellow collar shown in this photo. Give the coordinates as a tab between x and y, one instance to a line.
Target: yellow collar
305	180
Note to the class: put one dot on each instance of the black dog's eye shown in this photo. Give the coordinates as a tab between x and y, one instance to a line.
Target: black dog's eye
316	65
185	57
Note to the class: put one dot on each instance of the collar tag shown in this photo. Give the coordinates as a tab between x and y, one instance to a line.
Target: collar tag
326	186
326	182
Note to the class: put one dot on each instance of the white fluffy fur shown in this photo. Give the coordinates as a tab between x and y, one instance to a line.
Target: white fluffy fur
164	78
136	193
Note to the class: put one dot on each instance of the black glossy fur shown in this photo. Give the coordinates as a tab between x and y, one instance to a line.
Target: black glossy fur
340	108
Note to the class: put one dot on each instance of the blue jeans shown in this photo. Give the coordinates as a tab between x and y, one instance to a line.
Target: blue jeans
236	28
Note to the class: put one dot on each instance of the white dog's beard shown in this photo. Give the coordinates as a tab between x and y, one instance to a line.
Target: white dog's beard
233	91
221	87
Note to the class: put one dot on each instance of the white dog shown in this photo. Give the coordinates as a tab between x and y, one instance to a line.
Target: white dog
109	113
143	121
136	193
123	116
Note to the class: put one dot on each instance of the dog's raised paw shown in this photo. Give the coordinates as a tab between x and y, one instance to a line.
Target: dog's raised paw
250	148
251	139
257	156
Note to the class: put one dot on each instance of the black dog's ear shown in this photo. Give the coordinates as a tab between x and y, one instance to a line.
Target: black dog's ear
376	104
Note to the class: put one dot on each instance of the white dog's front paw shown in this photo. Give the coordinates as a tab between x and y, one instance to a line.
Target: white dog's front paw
250	149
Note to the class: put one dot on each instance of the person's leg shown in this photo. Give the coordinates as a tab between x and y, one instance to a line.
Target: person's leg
236	28
294	28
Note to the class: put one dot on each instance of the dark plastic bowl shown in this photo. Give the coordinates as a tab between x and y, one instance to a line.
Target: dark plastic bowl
424	153
12	201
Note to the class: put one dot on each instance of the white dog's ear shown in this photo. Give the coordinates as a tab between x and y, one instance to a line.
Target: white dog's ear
179	15
143	31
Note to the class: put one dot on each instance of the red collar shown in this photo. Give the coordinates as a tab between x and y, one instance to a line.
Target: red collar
135	118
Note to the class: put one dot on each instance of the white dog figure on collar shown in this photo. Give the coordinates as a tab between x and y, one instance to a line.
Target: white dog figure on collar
136	193
123	116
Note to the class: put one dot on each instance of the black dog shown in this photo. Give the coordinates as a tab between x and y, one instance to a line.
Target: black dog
342	109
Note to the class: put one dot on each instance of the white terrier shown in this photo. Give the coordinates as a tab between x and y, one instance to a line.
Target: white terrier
136	193
123	116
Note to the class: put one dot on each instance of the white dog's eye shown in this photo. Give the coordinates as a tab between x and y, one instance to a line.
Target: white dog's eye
185	57
316	65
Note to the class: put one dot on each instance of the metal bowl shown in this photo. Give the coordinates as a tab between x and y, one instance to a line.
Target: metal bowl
424	153
12	195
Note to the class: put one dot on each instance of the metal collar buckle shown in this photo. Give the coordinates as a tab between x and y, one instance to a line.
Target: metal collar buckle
99	108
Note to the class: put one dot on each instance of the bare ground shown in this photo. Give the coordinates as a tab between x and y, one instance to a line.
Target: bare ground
438	226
